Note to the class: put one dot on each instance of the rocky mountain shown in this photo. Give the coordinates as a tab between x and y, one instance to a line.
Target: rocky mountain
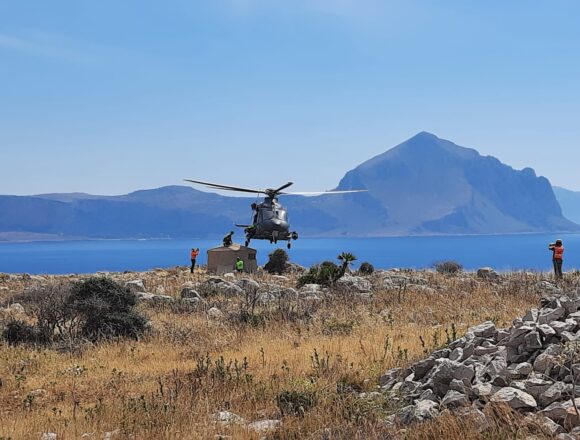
428	185
570	203
425	185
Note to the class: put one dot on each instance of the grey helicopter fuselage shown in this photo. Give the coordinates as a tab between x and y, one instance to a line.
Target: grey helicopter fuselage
270	222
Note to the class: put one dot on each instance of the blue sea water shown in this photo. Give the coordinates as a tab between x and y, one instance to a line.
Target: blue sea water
503	252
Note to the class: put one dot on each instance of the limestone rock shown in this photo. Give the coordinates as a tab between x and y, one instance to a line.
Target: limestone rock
547	331
487	273
390	377
228	289
311	288
557	391
454	399
563	411
548	315
457	354
264	426
445	371
215	313
569	325
519	371
518	335
531	315
356	283
516	399
111	434
532	341
548	425
544	363
247	283
485	330
227	418
428	394
135	286
536	386
484	390
426	409
575	317
189	292
151	297
192	301
568	336
421	368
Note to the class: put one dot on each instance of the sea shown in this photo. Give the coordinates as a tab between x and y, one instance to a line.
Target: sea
502	252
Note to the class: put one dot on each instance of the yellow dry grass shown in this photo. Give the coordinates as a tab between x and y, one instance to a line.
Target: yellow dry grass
168	385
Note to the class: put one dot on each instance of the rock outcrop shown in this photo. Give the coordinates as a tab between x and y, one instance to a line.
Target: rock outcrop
532	367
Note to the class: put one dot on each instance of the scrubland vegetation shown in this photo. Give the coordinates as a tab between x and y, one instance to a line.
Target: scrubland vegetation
307	360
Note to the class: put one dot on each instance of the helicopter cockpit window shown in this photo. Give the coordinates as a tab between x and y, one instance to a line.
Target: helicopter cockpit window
282	214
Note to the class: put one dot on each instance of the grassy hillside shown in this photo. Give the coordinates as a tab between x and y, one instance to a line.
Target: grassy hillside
301	359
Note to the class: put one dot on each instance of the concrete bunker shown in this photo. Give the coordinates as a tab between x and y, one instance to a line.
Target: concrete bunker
222	259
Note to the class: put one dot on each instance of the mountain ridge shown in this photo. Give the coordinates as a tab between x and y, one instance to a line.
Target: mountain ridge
423	186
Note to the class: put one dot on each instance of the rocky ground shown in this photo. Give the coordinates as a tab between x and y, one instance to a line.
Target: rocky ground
395	354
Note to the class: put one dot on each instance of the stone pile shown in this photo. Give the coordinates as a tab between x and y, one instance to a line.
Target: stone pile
530	366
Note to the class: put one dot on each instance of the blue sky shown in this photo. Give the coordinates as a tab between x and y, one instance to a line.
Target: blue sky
112	96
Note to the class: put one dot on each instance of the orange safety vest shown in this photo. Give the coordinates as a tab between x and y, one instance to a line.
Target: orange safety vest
194	254
558	252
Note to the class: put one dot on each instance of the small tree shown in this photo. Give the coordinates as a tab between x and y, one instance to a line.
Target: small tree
106	308
93	308
277	262
366	268
448	267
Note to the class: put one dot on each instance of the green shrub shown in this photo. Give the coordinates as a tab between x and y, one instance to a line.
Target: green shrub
338	327
323	274
128	325
94	308
106	309
277	262
327	273
295	402
19	332
248	318
100	295
448	267
366	268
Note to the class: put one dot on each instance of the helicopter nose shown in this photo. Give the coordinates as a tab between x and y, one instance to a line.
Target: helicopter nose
280	224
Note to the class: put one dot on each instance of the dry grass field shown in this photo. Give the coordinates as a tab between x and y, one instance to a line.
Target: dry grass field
300	361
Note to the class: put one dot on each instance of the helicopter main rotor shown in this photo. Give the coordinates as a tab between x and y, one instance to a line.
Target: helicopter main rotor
272	193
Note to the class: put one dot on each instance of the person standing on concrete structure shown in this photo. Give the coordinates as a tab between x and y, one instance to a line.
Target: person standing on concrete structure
194	254
557	257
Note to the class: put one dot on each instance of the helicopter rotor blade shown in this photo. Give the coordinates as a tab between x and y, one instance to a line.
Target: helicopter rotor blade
286	185
321	193
226	187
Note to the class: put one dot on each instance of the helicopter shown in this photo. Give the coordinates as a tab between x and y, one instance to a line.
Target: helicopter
269	218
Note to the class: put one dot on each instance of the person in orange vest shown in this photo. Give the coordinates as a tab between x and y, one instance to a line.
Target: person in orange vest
557	257
194	254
